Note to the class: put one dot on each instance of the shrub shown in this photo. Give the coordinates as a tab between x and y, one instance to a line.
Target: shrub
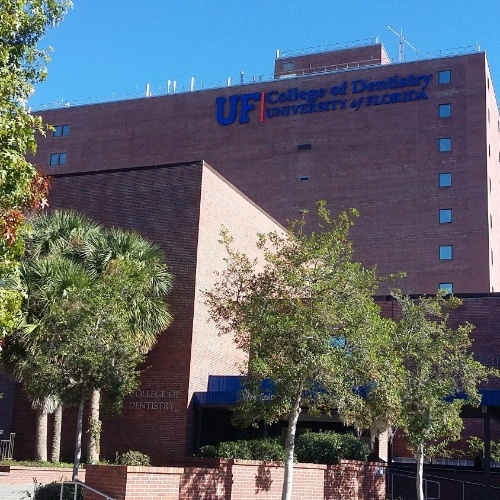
258	449
133	458
51	491
267	449
234	449
329	448
208	451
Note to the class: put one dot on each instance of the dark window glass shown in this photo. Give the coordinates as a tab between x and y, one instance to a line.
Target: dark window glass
444	144
444	76
54	158
445	215
445	252
446	286
445	179
444	110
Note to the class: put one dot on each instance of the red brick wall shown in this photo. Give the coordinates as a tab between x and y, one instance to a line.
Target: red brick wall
182	209
10	474
332	61
239	480
383	160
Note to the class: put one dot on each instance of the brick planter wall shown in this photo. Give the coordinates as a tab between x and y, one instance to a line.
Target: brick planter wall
238	480
23	475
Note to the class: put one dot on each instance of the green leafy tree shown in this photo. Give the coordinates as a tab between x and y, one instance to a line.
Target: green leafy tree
83	278
439	374
307	320
22	65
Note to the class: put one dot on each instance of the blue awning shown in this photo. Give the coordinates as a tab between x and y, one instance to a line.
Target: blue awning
224	390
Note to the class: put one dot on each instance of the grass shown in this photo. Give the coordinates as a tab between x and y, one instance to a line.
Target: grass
33	463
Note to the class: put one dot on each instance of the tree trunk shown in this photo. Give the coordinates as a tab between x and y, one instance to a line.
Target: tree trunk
94	428
78	443
286	493
41	435
56	436
419	456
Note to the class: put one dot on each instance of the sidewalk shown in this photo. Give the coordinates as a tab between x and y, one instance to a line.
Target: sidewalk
16	491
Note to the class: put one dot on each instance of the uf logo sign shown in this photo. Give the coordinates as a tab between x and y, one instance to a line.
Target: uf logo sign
245	107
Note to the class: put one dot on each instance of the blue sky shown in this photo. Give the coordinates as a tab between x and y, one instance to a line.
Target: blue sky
112	48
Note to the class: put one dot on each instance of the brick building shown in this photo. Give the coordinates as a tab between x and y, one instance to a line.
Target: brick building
414	146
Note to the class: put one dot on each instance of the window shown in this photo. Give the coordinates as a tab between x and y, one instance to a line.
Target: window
445	180
304	147
445	252
304	177
444	110
61	131
445	215
444	144
57	159
446	286
288	65
444	76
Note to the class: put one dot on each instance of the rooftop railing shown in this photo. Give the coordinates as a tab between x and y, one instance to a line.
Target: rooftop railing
243	79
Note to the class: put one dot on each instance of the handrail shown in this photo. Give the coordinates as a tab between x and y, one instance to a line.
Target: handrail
83	485
411	475
425	481
7	447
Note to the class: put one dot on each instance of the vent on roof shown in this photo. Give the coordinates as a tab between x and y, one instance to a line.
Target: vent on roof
304	147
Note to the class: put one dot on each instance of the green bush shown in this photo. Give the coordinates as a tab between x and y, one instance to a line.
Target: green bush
133	458
329	448
258	449
267	450
51	491
234	449
208	451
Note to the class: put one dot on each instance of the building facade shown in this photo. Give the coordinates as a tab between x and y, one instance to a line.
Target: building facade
414	146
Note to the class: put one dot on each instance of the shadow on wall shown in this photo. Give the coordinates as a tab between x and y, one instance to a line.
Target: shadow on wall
203	484
263	479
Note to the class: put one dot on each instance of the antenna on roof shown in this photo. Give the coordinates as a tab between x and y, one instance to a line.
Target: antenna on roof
402	41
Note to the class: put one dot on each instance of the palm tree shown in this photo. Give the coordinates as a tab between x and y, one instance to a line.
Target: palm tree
47	280
148	315
67	238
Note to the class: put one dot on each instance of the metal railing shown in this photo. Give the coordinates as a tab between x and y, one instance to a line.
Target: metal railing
244	79
468	490
327	47
85	486
426	483
7	447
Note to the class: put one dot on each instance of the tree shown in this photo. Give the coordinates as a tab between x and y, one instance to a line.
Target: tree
46	280
147	313
105	283
22	65
439	374
307	320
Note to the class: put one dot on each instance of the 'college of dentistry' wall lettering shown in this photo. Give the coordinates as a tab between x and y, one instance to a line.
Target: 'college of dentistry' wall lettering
348	95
